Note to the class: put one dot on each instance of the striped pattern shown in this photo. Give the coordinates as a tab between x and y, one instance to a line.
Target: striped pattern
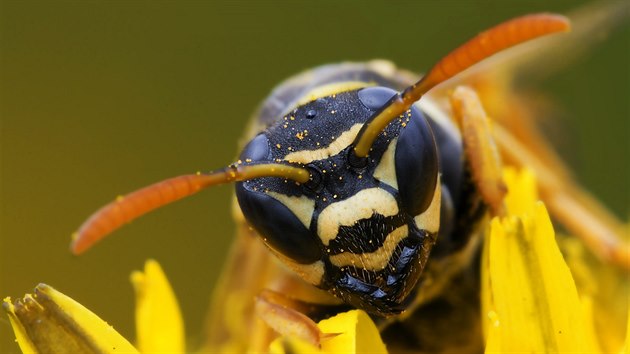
373	261
348	212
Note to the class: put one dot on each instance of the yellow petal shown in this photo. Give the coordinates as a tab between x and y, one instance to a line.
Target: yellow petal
285	345
21	337
604	288
522	191
590	335
159	324
351	332
345	333
626	345
532	291
51	322
487	307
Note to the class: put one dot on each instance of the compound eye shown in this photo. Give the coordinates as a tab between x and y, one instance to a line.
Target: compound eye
416	164
279	227
268	213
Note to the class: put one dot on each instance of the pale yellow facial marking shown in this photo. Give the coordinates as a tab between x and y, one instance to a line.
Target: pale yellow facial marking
347	212
386	169
301	207
376	260
342	142
331	89
311	273
430	219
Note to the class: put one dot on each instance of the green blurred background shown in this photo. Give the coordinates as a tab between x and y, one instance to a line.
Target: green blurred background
100	98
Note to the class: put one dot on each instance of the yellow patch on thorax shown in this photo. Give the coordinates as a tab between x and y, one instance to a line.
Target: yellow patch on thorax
331	89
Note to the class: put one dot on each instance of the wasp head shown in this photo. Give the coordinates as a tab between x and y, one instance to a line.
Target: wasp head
361	231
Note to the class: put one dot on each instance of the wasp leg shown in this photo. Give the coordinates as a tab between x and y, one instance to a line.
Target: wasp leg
288	316
576	209
231	320
479	147
231	323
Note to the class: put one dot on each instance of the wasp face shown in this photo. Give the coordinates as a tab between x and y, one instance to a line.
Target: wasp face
363	233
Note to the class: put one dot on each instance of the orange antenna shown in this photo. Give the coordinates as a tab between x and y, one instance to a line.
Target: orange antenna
482	46
127	208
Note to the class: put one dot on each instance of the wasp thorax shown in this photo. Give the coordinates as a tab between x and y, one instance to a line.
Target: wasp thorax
361	232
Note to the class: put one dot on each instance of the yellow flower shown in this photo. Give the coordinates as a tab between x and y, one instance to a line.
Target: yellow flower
51	322
348	332
159	324
529	297
530	301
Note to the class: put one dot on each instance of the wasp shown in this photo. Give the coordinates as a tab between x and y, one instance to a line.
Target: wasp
367	196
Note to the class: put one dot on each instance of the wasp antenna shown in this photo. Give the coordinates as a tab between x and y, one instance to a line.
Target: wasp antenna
482	46
127	208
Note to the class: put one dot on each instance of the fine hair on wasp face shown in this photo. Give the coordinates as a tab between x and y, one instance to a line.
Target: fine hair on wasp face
133	205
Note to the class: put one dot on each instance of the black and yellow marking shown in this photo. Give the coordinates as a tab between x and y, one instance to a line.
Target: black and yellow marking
350	230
